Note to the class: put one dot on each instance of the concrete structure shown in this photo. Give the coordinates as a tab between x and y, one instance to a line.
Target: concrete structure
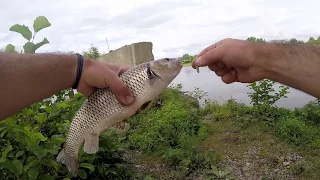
131	55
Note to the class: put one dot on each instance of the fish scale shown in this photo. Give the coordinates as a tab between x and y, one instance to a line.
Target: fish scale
102	109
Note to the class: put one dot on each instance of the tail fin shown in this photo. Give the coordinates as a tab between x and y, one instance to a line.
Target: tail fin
70	162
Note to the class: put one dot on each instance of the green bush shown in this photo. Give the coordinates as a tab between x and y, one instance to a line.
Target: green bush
297	132
173	131
309	112
32	138
186	58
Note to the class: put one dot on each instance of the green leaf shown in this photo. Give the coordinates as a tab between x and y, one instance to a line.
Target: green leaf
9	166
32	161
4	132
37	136
46	177
39	44
2	128
5	153
17	167
215	170
23	30
29	47
87	165
33	172
41	117
40	22
82	174
62	105
10	48
40	154
20	153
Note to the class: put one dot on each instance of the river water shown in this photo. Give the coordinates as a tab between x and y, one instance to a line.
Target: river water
216	89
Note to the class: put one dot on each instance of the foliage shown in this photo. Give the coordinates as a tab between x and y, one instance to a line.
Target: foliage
39	23
312	40
172	131
32	138
295	41
262	96
309	112
92	52
298	132
215	173
297	126
186	58
256	40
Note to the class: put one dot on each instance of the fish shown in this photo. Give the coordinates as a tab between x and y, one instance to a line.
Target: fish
102	110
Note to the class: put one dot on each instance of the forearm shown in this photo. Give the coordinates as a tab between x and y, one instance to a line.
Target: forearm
297	66
28	78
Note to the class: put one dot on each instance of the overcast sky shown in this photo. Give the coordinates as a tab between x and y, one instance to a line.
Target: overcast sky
174	27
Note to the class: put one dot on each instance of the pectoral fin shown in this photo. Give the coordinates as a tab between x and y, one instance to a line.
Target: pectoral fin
91	143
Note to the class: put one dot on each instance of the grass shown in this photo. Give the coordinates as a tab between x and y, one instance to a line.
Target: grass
187	64
255	149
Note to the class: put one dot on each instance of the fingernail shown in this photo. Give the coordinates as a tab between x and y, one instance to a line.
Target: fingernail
129	99
197	61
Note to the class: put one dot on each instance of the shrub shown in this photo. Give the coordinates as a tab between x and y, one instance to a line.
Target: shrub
297	132
263	98
173	131
32	138
309	112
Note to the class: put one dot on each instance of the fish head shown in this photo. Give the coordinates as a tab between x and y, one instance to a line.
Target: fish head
165	69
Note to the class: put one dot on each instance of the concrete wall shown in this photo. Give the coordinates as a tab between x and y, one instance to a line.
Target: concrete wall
130	55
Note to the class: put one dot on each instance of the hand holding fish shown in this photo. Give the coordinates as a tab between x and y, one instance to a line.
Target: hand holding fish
97	74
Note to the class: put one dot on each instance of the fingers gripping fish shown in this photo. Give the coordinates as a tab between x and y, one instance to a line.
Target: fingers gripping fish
102	109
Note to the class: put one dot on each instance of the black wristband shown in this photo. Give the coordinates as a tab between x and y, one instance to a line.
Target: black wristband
79	71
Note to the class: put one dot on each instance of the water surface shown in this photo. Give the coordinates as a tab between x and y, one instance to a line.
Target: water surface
209	82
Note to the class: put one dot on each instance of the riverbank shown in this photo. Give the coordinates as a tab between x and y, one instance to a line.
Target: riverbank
231	138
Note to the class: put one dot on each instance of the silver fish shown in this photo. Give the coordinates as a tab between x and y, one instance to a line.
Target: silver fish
102	110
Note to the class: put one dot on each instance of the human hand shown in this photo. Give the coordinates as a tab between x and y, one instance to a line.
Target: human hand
97	74
232	60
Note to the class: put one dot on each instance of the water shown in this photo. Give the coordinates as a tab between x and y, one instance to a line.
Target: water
216	89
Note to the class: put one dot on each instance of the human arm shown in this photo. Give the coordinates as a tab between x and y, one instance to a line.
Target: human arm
295	65
28	78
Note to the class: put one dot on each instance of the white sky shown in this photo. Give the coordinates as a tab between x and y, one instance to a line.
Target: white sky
174	27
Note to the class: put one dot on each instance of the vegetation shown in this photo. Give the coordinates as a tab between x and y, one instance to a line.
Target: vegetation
39	23
187	59
92	52
172	138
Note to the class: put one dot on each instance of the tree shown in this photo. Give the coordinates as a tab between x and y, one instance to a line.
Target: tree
186	58
92	52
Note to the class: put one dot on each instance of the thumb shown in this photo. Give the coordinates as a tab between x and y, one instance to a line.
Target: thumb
118	87
212	56
101	76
